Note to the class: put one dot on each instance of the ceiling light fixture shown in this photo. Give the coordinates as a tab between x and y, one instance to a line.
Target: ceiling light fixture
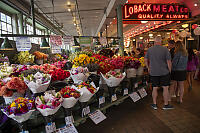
141	38
6	45
185	25
195	4
143	22
69	10
68	3
150	34
158	35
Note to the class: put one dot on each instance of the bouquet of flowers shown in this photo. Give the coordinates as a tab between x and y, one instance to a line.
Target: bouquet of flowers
46	68
81	60
70	96
87	89
13	89
17	70
5	71
79	74
106	52
24	57
113	78
105	67
59	74
20	109
118	62
49	103
3	58
99	57
76	54
38	82
59	64
142	65
142	61
40	55
132	64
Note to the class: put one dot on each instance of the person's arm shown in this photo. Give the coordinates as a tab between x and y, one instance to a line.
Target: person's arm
147	63
169	64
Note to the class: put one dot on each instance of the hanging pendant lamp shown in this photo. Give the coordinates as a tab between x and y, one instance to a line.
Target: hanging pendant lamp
6	45
77	45
45	44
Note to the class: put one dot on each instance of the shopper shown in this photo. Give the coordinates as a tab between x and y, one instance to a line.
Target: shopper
139	53
192	64
171	45
173	88
158	62
179	72
196	76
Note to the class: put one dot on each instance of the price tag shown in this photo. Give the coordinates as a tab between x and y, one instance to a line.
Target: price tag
114	98
69	120
24	132
134	96
125	91
70	128
85	111
136	85
97	116
142	92
49	128
101	100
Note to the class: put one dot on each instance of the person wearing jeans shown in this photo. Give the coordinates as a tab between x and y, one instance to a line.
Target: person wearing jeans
158	62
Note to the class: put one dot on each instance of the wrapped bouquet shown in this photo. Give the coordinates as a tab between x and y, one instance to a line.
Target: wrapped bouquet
59	74
20	109
79	74
113	78
88	90
38	82
70	96
49	103
13	88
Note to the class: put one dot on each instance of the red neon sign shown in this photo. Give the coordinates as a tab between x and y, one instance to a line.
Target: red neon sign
155	12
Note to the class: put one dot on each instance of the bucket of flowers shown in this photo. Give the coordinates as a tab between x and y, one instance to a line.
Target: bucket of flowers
79	74
131	64
20	109
140	70
49	103
70	98
88	90
12	89
40	57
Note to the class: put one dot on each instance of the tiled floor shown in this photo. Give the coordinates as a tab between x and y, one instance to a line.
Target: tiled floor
130	117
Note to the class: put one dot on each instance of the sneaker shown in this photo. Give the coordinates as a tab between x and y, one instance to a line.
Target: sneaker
174	96
167	107
154	106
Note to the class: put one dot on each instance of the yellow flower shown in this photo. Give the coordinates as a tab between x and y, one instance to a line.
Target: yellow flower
13	104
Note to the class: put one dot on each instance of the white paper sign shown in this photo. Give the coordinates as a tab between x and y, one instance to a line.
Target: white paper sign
56	40
68	40
85	111
55	49
24	132
70	128
125	91
97	116
51	127
142	92
114	98
69	120
136	85
134	96
23	43
101	100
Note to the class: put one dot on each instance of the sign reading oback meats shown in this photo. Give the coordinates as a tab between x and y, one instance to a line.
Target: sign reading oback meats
155	12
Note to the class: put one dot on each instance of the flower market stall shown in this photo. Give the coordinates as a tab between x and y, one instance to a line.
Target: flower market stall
67	89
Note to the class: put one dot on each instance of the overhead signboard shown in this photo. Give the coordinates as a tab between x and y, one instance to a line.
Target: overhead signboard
142	12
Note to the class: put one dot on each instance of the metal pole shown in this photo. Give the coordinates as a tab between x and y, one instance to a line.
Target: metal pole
21	26
33	16
120	30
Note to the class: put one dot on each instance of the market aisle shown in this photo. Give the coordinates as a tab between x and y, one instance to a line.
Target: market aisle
140	118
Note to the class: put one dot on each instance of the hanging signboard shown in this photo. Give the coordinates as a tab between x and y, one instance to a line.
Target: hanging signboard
155	12
23	43
55	49
68	40
85	41
56	40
